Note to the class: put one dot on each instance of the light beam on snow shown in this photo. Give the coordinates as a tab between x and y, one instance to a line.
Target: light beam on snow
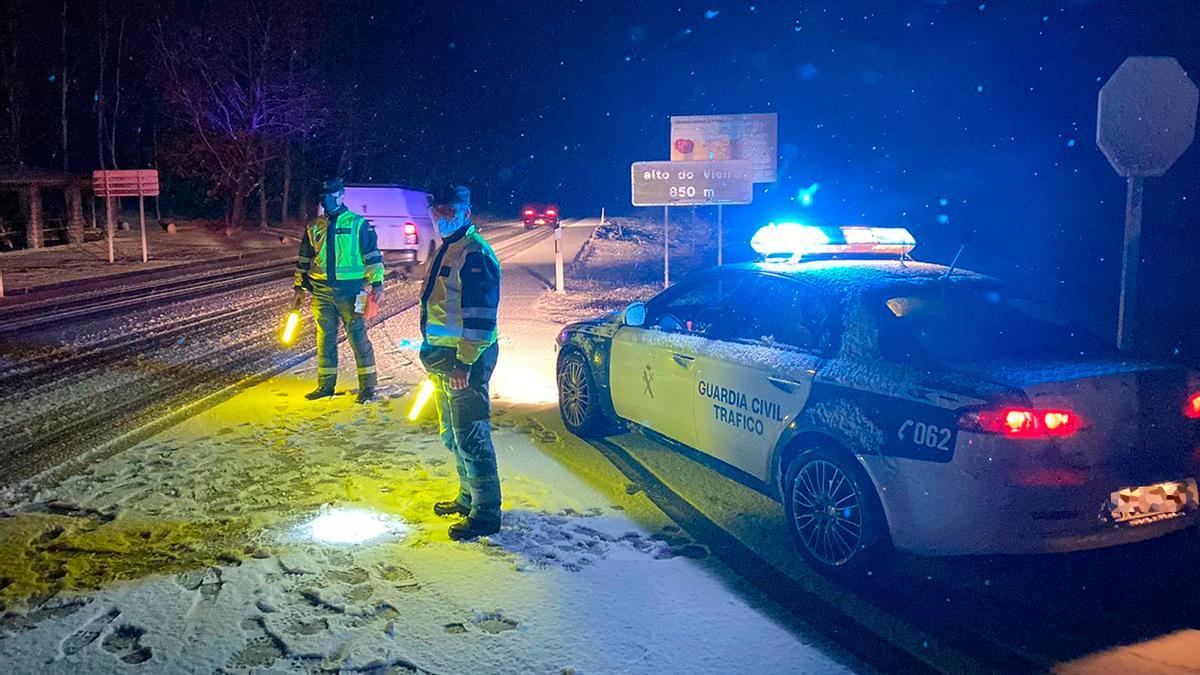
344	526
423	395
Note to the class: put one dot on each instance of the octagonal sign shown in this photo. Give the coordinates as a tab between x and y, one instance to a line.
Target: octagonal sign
1146	117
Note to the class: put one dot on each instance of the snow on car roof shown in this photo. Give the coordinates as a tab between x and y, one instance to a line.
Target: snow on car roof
861	276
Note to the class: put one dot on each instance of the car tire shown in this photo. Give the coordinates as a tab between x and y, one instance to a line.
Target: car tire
579	399
833	514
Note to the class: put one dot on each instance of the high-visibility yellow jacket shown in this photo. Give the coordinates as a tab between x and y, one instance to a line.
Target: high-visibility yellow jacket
461	296
351	254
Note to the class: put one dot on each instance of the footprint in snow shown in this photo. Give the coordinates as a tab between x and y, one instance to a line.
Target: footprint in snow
89	632
126	643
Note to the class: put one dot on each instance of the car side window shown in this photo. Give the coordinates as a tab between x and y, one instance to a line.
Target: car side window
694	308
780	312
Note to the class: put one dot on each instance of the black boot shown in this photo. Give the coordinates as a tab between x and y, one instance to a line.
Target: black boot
450	508
473	527
319	392
365	395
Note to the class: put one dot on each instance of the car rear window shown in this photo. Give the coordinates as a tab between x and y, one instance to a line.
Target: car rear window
971	322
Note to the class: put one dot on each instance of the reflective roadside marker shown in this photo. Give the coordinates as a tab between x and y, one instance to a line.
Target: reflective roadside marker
289	328
423	395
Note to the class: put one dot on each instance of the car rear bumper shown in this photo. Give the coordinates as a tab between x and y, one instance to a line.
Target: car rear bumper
946	509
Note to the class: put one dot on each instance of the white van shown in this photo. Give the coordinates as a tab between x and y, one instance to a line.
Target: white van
401	218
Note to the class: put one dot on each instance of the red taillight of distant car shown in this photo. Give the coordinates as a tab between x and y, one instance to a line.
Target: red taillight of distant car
1022	422
551	212
529	212
1192	409
410	233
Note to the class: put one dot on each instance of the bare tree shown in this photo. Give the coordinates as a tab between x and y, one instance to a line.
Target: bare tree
230	96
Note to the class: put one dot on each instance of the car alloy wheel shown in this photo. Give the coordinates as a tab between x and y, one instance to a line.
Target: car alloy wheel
574	397
827	513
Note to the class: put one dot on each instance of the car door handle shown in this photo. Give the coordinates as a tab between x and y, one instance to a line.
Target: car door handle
785	384
683	359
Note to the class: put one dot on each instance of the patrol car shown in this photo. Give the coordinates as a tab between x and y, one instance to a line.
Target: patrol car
892	403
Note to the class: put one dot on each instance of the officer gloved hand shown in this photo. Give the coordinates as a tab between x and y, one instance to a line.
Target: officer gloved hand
297	298
377	293
460	377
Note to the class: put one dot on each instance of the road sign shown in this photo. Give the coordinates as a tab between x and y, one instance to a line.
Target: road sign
721	137
1146	115
140	183
1145	119
126	183
692	183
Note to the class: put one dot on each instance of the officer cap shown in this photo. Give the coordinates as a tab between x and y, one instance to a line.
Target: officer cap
332	185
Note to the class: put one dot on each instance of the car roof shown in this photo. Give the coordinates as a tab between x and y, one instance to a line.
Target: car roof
861	276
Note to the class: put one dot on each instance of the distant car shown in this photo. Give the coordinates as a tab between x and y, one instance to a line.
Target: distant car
539	215
402	221
895	403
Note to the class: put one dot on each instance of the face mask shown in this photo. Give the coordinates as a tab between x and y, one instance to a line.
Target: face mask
449	224
331	203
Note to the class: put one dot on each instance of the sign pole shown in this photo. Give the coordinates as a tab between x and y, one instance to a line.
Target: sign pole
666	247
559	285
720	238
108	219
142	217
1	283
1129	264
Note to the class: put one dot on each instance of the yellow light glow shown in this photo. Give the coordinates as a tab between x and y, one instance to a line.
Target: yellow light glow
423	395
341	526
289	328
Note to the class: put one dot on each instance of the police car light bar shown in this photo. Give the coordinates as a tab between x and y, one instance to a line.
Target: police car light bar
794	241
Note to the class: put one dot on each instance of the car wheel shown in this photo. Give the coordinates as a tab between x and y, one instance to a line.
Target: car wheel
578	398
833	513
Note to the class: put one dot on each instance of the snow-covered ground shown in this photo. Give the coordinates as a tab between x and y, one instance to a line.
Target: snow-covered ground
228	543
193	241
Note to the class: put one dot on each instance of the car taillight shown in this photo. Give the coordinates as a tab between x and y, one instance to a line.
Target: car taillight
1192	409
1022	422
551	212
529	212
410	233
410	228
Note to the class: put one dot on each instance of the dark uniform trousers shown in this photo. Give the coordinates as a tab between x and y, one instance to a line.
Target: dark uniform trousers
333	303
464	419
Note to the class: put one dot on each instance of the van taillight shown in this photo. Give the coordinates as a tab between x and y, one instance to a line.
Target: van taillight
410	233
1192	409
1022	422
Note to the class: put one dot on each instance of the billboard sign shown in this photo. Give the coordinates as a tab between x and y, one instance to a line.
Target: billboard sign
727	137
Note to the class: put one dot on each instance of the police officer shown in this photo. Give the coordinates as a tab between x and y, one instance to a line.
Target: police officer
339	255
458	325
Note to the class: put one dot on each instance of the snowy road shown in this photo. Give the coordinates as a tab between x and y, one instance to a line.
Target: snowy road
69	386
200	550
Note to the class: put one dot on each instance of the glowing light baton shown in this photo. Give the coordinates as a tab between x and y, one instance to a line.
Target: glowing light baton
289	328
423	395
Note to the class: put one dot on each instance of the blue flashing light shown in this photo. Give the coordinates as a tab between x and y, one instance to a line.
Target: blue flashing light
792	241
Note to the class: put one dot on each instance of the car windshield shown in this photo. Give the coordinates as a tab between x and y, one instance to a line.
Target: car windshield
963	322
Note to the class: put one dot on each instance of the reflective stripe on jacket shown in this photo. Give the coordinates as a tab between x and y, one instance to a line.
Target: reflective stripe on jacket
355	251
461	296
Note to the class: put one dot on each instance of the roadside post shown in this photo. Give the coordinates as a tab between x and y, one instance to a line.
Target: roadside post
140	183
1145	119
559	285
700	183
1	282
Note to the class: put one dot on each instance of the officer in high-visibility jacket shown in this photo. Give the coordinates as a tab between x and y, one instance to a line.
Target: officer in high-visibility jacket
458	327
339	256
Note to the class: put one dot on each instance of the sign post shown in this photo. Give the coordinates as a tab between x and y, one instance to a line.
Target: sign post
668	184
720	238
140	183
559	285
1145	119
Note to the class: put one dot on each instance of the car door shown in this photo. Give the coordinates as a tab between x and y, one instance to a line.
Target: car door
756	372
652	370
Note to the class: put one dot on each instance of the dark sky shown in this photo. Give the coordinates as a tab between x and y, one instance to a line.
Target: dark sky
968	122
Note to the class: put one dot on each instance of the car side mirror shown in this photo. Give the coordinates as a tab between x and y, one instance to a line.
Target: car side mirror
634	315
